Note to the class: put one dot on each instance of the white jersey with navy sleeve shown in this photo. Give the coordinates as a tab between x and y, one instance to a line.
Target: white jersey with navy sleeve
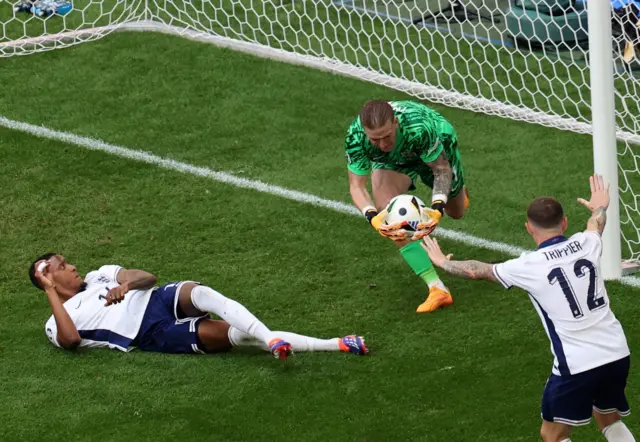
563	280
114	326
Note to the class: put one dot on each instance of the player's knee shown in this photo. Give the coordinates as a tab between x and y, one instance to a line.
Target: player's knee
605	419
214	336
187	288
456	208
455	214
382	197
185	299
544	433
553	433
381	204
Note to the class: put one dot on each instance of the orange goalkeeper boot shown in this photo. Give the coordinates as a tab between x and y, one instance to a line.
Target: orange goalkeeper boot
437	298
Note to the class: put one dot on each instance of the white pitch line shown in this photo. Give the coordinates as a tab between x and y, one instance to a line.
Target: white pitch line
227	178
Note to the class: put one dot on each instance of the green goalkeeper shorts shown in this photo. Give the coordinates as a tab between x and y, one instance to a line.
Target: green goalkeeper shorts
425	173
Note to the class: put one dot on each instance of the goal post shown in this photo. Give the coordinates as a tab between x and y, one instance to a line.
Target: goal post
566	64
605	152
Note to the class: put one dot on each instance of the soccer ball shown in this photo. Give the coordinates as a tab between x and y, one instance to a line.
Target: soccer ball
407	208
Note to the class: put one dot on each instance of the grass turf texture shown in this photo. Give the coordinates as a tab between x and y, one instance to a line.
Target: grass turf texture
472	372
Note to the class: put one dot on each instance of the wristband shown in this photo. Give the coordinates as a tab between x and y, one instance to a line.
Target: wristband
438	205
369	213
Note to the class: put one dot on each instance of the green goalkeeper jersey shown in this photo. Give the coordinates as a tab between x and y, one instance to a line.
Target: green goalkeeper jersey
422	136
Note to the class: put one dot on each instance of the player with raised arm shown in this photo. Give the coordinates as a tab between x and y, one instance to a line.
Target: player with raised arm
396	143
123	309
591	355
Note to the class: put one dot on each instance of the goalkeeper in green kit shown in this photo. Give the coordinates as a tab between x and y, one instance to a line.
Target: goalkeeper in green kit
396	143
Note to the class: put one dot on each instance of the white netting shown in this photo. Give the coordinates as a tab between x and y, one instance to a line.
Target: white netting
521	59
24	32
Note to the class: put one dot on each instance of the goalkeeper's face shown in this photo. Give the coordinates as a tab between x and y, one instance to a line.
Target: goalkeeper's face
384	136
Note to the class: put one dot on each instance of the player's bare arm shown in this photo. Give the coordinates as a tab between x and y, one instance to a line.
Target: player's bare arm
442	178
466	269
598	204
598	220
359	193
130	280
68	336
363	201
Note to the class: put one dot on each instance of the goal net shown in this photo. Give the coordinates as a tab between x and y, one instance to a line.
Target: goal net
526	60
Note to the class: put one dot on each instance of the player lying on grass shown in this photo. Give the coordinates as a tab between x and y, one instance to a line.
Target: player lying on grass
591	356
396	143
122	309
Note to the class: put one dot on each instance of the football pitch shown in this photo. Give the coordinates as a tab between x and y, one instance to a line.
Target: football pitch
472	372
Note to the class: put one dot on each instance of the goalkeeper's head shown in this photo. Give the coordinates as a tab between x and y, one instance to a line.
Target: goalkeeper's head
380	124
545	219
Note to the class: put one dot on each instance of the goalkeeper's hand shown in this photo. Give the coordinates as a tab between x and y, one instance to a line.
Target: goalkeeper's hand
432	216
394	232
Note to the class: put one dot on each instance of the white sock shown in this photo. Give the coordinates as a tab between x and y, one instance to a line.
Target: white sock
299	343
206	299
438	284
618	432
566	440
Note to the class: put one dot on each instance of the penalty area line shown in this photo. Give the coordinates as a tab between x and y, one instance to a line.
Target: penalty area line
227	178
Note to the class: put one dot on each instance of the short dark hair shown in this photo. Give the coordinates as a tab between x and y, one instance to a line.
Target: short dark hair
375	114
32	269
545	212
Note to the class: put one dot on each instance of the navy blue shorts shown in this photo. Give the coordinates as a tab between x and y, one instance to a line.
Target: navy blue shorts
164	328
571	399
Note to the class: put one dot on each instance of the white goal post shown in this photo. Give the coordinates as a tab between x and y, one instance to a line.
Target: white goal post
567	64
605	155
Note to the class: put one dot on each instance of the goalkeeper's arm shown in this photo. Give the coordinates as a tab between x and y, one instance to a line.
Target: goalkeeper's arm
442	178
360	195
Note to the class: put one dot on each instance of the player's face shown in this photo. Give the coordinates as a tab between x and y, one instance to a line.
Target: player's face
384	137
63	274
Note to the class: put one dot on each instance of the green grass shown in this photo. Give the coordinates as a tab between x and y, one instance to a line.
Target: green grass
473	372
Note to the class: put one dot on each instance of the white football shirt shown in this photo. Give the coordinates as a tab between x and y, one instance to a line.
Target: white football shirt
114	326
563	282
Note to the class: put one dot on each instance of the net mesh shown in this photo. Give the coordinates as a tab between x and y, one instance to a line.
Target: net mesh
521	59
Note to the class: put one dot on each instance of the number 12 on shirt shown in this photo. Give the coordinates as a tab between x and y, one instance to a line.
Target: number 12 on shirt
558	276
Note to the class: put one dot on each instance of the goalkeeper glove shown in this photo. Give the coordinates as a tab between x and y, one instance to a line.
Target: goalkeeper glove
377	221
433	216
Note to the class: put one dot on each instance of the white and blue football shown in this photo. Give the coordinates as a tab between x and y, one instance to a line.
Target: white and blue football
407	208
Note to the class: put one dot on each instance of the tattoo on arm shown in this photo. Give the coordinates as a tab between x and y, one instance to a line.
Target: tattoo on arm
442	175
598	219
136	279
470	269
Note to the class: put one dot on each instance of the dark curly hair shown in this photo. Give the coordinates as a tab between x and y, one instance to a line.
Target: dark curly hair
32	269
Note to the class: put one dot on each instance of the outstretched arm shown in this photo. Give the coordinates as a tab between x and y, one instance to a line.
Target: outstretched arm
465	269
598	204
470	269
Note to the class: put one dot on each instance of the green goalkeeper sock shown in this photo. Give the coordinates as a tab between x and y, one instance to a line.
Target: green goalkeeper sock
419	261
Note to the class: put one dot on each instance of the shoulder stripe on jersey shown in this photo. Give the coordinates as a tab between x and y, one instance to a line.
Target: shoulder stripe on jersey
101	335
497	275
556	343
